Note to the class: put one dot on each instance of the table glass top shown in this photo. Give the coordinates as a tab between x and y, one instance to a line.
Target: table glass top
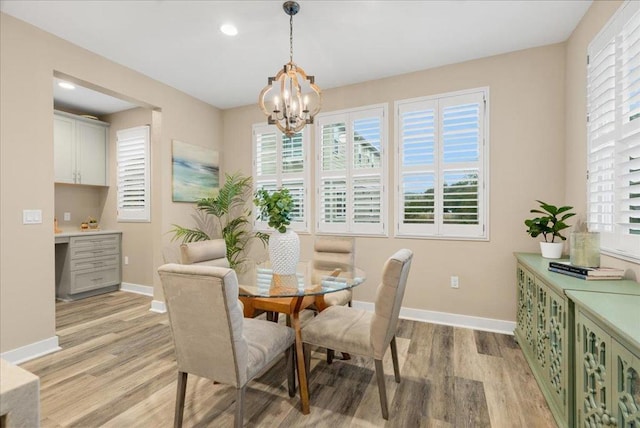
260	281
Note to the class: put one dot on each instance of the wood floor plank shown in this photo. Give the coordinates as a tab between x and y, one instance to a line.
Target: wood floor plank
471	405
117	369
486	343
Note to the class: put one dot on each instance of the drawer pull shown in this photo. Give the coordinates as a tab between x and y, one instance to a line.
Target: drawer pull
97	279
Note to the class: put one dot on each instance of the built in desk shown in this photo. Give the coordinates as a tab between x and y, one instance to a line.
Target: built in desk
87	263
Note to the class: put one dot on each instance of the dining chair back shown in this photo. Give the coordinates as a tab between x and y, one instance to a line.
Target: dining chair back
210	335
389	298
212	252
331	253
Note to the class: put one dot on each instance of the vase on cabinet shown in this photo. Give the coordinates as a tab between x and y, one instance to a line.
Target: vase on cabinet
551	250
284	252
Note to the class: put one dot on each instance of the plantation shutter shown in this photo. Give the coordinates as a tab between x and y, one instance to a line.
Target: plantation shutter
441	166
279	162
134	202
351	174
461	130
613	102
417	172
333	163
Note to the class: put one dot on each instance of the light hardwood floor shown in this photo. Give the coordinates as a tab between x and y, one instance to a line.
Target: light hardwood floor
117	369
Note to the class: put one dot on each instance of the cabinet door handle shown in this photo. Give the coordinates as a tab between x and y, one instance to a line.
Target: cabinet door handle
79	178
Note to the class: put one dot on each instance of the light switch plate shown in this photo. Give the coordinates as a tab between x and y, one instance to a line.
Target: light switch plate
67	216
31	216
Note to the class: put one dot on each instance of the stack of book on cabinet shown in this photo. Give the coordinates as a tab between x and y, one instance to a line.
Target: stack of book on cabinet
590	274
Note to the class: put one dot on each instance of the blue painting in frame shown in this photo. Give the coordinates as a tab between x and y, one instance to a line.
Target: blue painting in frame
196	172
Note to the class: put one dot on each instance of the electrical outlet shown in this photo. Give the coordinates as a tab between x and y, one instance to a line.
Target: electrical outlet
455	282
126	260
67	216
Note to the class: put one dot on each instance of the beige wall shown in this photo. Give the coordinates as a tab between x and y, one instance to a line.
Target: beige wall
79	201
526	120
135	236
28	59
576	112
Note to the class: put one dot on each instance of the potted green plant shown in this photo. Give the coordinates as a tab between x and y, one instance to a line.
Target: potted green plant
225	215
549	224
93	223
284	244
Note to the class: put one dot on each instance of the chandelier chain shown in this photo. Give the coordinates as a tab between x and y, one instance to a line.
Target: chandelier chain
291	38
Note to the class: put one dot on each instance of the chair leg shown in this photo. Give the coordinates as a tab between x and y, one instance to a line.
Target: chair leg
239	418
330	355
382	390
394	357
291	369
272	316
182	389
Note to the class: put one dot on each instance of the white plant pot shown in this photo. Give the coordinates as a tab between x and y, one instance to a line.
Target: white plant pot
551	250
284	252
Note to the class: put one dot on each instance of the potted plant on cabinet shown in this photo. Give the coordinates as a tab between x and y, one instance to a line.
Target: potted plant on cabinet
284	244
549	225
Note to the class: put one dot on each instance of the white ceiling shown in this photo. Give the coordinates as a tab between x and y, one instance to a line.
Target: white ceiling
340	42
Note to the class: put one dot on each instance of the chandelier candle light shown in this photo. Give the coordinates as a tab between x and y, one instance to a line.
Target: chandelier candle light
291	109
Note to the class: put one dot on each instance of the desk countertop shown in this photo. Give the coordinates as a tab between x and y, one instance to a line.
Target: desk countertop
63	237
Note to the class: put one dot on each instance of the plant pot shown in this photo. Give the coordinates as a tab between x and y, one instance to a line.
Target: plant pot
551	250
284	252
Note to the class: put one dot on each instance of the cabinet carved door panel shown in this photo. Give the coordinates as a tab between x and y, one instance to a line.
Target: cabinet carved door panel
541	332
530	310
522	300
626	386
593	366
557	347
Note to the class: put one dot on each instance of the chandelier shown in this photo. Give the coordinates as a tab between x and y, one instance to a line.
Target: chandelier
291	108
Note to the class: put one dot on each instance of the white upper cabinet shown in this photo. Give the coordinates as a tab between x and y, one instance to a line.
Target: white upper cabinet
80	150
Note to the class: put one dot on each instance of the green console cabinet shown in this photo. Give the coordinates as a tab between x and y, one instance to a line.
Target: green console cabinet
546	330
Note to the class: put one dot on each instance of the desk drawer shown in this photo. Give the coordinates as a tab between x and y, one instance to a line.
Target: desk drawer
95	262
94	246
85	280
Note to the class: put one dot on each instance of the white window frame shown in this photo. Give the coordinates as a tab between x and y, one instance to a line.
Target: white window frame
280	178
351	227
438	229
613	136
139	137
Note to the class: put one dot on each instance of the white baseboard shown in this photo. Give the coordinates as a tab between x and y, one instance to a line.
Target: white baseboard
455	320
31	351
145	290
158	306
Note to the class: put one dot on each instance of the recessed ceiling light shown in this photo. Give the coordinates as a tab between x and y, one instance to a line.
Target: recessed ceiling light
229	29
66	85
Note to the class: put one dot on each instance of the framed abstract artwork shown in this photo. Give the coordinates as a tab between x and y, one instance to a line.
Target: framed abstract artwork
196	171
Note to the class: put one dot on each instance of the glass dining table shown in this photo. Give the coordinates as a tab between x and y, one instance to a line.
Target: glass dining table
262	290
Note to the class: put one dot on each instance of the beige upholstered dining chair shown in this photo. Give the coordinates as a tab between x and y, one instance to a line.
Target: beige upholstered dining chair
212	252
364	333
329	253
211	337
